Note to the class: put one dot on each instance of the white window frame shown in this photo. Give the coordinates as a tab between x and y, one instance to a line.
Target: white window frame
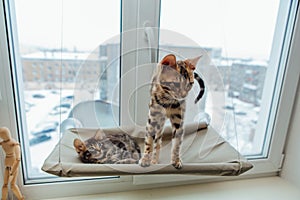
134	37
132	20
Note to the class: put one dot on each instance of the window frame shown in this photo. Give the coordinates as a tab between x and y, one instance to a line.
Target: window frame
270	165
284	92
134	37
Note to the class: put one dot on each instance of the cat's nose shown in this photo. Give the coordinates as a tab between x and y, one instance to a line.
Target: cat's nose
87	154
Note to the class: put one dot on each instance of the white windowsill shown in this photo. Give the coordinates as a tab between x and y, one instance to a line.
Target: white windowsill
259	189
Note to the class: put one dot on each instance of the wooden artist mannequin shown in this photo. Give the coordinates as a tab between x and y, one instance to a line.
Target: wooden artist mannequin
12	161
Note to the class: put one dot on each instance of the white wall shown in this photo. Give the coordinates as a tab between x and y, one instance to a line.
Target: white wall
291	166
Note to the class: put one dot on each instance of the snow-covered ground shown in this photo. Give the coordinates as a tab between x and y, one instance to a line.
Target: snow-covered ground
236	120
38	117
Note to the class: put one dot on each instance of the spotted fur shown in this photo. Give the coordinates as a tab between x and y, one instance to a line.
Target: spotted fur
170	85
108	149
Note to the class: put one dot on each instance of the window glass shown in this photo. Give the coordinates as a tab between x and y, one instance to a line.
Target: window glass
66	63
236	39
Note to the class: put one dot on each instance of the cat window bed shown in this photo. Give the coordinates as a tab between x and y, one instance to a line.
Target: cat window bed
204	152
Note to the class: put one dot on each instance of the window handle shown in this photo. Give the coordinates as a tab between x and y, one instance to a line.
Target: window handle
151	41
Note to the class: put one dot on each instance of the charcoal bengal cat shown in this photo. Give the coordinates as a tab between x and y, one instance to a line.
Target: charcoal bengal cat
108	149
170	85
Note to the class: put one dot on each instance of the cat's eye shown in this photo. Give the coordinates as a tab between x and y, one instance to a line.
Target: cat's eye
170	84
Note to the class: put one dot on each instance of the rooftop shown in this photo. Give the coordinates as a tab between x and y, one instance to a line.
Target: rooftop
65	55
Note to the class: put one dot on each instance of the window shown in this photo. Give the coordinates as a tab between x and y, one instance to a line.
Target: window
251	56
61	41
238	46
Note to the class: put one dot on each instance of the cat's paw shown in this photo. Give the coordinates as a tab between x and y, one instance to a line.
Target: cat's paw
177	164
145	161
154	161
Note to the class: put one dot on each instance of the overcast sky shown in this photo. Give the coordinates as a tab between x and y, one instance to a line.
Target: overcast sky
243	28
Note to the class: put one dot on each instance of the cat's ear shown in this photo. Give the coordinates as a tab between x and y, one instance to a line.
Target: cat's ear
169	60
79	145
99	135
193	62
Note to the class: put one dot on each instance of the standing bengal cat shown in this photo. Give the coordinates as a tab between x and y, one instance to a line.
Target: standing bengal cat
170	85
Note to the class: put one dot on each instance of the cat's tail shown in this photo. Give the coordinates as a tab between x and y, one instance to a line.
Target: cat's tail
202	86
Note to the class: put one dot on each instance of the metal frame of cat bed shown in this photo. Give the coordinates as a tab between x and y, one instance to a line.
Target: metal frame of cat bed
204	152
